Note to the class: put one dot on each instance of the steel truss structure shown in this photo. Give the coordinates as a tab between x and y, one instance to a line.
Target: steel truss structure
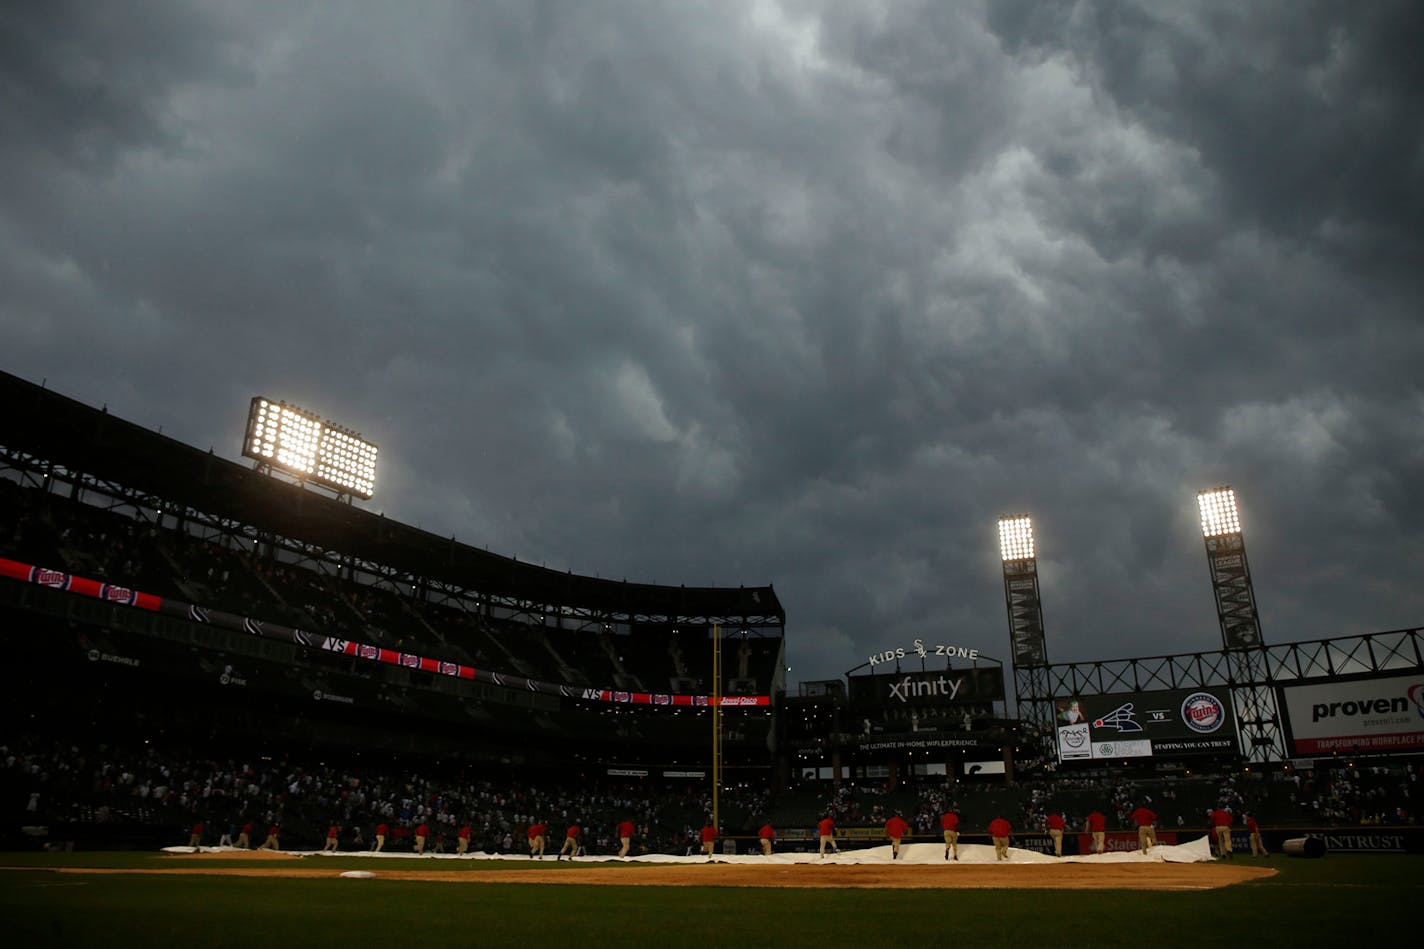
1252	676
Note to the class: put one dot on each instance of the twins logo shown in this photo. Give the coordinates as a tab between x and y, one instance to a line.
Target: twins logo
118	594
410	660
370	652
449	669
1203	712
1119	718
50	578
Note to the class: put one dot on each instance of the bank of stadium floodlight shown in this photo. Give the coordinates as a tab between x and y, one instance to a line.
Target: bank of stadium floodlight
1230	571
1020	560
298	442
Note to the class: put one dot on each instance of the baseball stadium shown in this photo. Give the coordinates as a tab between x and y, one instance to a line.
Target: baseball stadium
243	708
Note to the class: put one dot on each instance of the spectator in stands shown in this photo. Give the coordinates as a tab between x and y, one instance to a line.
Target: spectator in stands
896	828
536	840
766	834
1221	826
709	840
571	843
1097	825
826	831
1056	823
999	831
949	823
625	836
1146	820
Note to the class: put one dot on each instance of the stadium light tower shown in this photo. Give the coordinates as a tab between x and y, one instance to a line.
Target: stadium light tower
1016	549
298	442
1230	572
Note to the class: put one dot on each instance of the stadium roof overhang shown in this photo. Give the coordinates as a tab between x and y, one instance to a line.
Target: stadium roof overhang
86	440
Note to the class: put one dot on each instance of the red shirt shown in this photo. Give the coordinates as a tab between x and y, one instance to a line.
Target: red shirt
382	830
998	827
465	832
247	828
709	833
1097	822
827	828
896	827
1143	817
333	831
197	828
1220	818
1056	822
1252	826
572	831
273	831
767	832
949	821
423	830
536	830
625	829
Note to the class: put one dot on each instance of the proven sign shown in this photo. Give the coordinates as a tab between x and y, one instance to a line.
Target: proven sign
1367	715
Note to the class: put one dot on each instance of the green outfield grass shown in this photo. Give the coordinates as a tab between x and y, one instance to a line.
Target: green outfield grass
1337	900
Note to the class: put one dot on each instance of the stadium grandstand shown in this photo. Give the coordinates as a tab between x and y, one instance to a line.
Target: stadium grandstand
194	640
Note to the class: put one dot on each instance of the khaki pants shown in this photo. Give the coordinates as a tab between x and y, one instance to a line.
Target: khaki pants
1258	847
1057	836
708	846
1146	837
1223	840
462	845
951	842
419	844
626	842
536	846
1001	848
1098	836
570	845
380	842
828	841
765	847
243	842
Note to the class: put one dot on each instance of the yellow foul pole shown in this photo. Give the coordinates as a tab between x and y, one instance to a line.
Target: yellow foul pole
716	723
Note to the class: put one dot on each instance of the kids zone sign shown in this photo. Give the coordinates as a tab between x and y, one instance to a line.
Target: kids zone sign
1145	724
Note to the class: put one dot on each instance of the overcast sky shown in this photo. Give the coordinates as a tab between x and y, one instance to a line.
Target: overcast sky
753	292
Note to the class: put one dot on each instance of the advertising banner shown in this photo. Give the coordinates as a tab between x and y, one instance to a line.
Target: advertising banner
921	689
1145	724
1366	715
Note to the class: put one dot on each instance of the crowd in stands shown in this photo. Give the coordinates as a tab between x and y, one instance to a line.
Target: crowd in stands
280	585
48	782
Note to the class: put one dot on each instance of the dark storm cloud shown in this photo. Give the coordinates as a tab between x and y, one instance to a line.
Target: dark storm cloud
744	293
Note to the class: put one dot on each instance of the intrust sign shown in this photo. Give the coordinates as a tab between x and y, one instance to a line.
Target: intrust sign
1384	714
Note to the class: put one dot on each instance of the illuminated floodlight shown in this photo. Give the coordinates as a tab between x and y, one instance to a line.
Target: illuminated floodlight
1218	512
1016	537
299	442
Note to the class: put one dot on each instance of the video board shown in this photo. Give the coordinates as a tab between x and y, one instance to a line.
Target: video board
1164	723
1360	715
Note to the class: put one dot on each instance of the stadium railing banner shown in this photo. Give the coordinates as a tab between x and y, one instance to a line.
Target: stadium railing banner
1145	724
1373	714
124	596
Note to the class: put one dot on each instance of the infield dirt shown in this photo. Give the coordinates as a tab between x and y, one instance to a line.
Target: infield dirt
1136	876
